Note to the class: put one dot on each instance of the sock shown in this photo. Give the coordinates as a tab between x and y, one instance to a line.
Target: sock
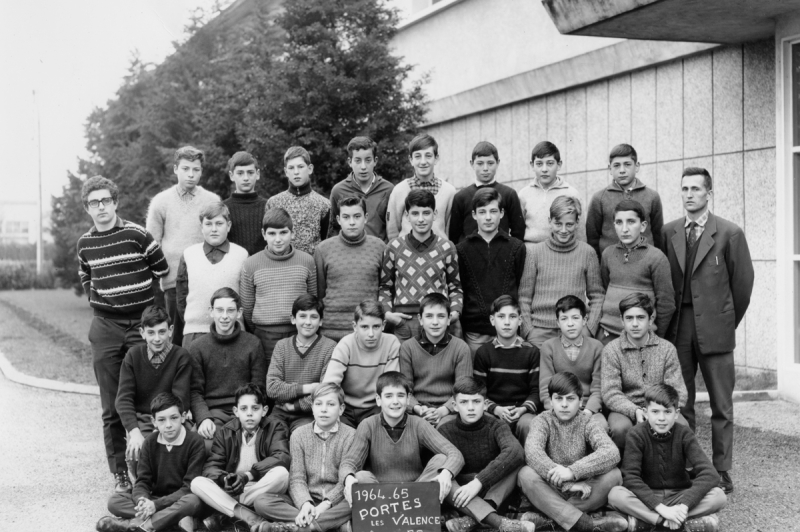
493	520
584	524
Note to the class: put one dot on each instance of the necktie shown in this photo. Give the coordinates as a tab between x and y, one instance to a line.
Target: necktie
691	238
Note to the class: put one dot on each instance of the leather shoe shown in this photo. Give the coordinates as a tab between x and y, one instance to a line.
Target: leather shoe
113	524
725	482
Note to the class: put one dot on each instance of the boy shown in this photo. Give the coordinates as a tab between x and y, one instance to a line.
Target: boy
246	206
348	267
433	361
623	164
272	279
317	500
509	368
492	458
571	464
484	162
392	442
557	267
172	218
633	265
114	255
360	358
205	268
222	361
633	362
535	199
249	458
416	264
298	364
423	154
365	184
576	353
657	489
491	263
309	210
171	458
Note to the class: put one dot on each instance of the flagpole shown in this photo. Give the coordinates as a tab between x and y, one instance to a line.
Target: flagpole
39	199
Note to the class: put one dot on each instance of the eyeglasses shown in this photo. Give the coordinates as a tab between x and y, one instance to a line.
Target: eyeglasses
94	204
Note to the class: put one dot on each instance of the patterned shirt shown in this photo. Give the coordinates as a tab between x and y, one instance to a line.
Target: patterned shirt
185	195
572	348
415	183
156	359
518	342
700	225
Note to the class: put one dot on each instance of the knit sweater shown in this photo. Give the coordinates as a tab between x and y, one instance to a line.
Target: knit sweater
220	364
397	224
140	382
247	212
310	214
165	476
397	461
348	272
643	269
488	270
462	224
629	370
270	283
407	275
290	369
600	232
314	473
376	198
535	202
580	444
175	224
659	463
356	369
587	367
490	450
117	269
511	376
554	270
433	376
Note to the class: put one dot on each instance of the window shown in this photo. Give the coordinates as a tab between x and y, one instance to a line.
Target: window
14	227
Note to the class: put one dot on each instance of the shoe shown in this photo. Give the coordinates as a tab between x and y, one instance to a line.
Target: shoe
249	517
113	524
123	482
461	524
542	522
707	523
512	525
725	482
637	525
213	523
609	522
186	524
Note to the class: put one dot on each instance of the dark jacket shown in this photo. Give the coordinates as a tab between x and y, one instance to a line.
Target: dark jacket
377	199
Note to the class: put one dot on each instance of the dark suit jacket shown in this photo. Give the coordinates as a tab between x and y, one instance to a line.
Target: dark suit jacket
722	281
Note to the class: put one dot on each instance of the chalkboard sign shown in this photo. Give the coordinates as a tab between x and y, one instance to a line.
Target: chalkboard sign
397	507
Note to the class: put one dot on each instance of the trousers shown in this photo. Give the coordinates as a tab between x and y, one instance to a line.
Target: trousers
123	505
275	481
623	499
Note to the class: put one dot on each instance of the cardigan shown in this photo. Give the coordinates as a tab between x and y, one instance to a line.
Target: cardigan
314	473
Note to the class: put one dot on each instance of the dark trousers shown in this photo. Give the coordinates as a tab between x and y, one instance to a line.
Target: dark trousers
270	336
110	340
123	505
719	375
352	416
171	301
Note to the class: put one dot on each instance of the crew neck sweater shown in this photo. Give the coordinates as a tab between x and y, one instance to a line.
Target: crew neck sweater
397	224
587	367
433	376
462	224
535	202
511	376
314	473
290	369
376	198
310	214
247	212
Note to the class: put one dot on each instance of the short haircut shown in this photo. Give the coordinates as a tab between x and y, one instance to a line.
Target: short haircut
241	158
362	143
277	218
212	210
662	394
371	308
545	149
469	386
623	150
153	315
295	152
352	201
630	205
224	293
327	388
484	196
565	383
307	302
251	389
420	198
393	378
484	149
423	142
98	182
189	153
564	205
696	170
570	302
503	301
163	401
434	299
634	300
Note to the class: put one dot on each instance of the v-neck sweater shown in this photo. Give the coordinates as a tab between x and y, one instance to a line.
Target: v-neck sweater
587	367
290	369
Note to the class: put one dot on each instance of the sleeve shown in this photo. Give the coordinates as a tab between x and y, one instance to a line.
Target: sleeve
611	383
603	458
673	375
336	494
740	273
155	219
394	214
200	410
155	256
144	475
456	229
595	402
311	279
325	224
322	272
393	361
197	458
298	477
605	273
333	226
454	290
406	364
665	295
182	382
216	463
706	475
258	364
448	211
388	273
355	457
463	369
303	404
536	447
432	440
510	459
594	222
526	289
84	273
594	292
337	366
533	403
546	372
516	218
656	220
277	387
126	394
480	371
632	471
182	286
247	295
277	452
519	263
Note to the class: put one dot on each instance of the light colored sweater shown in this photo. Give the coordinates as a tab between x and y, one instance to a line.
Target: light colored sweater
535	202
397	223
314	473
587	367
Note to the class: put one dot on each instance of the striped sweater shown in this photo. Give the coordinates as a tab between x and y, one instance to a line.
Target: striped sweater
314	473
290	369
117	269
511	375
433	376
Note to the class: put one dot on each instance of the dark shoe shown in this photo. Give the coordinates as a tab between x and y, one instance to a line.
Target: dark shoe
213	523
248	516
609	522
113	524
123	482
725	482
542	522
707	523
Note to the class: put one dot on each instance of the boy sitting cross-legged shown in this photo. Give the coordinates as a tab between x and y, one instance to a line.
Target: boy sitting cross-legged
298	364
249	457
170	459
492	458
656	487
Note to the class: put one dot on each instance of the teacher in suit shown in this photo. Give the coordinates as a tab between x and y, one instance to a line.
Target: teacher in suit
712	275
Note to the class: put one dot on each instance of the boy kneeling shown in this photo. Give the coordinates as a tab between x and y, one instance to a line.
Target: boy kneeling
656	488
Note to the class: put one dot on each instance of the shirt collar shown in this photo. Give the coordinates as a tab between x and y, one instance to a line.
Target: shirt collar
252	439
700	221
182	192
119	222
163	353
556	184
178	441
480	184
652	339
421	246
399	426
225	247
318	430
642	242
518	342
566	342
422	338
417	182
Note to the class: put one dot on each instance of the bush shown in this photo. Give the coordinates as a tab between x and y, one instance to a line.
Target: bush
21	275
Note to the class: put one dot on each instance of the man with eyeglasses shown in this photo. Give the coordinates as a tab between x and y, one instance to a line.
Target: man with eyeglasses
118	261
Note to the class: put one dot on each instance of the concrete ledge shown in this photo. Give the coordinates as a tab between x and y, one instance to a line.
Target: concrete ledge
744	395
46	384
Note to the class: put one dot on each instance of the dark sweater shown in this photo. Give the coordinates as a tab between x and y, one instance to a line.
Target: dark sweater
247	212
488	270
490	451
376	198
511	376
652	463
462	224
140	382
164	476
220	364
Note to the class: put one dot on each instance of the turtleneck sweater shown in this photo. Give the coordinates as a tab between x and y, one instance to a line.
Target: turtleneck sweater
310	214
247	212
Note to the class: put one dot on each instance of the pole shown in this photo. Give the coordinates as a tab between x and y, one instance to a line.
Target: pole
39	202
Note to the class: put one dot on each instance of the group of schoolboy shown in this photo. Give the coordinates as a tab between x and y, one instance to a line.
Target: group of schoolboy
507	332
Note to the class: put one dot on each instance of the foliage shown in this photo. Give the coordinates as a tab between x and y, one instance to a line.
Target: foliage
21	275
